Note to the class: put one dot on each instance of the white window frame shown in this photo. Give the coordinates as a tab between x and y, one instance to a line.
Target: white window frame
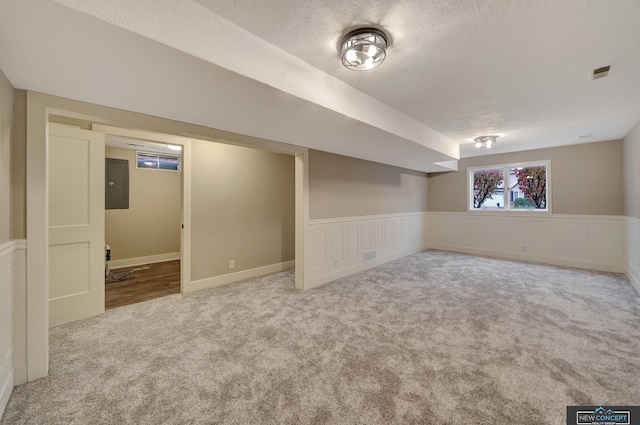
157	155
506	184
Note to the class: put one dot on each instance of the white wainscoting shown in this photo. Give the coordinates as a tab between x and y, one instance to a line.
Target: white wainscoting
20	311
590	242
633	251
337	246
6	323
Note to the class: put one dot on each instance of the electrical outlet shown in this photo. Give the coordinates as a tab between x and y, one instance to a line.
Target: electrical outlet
335	263
232	264
523	248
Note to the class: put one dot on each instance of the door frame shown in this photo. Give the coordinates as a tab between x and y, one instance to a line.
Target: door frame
39	107
185	236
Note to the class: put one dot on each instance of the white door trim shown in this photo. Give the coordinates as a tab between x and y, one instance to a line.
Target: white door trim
37	240
185	233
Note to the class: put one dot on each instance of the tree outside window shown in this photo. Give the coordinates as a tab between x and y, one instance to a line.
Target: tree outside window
485	186
533	183
510	187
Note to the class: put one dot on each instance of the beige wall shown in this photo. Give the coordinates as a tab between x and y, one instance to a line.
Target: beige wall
243	209
631	168
6	120
151	225
19	166
586	179
340	186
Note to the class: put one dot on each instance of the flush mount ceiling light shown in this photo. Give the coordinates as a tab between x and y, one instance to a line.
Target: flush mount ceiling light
363	49
485	141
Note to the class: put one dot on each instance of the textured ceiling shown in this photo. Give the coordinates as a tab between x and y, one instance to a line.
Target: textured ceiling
456	69
466	68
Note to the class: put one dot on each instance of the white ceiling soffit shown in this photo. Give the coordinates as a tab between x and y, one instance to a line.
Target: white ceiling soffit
51	48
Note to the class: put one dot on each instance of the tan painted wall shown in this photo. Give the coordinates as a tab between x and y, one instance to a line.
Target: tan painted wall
151	225
19	166
6	121
586	179
631	169
340	186
242	209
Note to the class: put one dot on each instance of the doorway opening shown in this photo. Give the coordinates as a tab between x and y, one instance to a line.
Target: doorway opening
143	209
39	109
112	217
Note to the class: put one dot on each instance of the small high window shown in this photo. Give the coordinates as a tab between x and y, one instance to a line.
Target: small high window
157	161
510	187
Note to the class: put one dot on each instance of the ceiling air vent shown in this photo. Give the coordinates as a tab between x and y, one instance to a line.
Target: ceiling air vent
601	72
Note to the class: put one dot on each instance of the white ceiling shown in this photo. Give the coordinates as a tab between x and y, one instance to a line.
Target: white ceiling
456	69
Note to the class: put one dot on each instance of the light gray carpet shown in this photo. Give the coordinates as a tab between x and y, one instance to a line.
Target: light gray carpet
434	338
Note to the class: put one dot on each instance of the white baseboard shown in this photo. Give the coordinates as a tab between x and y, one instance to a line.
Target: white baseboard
20	375
137	261
529	258
344	272
213	282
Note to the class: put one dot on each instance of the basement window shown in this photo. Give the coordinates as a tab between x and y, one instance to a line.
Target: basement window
157	161
510	187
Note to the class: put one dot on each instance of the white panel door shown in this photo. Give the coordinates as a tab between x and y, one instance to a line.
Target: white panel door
76	224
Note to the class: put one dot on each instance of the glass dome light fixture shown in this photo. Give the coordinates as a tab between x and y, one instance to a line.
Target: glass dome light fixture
485	141
363	49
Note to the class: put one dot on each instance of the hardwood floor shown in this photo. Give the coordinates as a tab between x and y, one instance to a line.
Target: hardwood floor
151	281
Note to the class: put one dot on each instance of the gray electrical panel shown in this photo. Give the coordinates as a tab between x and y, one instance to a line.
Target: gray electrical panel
116	184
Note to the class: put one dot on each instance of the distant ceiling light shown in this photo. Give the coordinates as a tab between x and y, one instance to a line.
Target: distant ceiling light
363	49
485	141
175	147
